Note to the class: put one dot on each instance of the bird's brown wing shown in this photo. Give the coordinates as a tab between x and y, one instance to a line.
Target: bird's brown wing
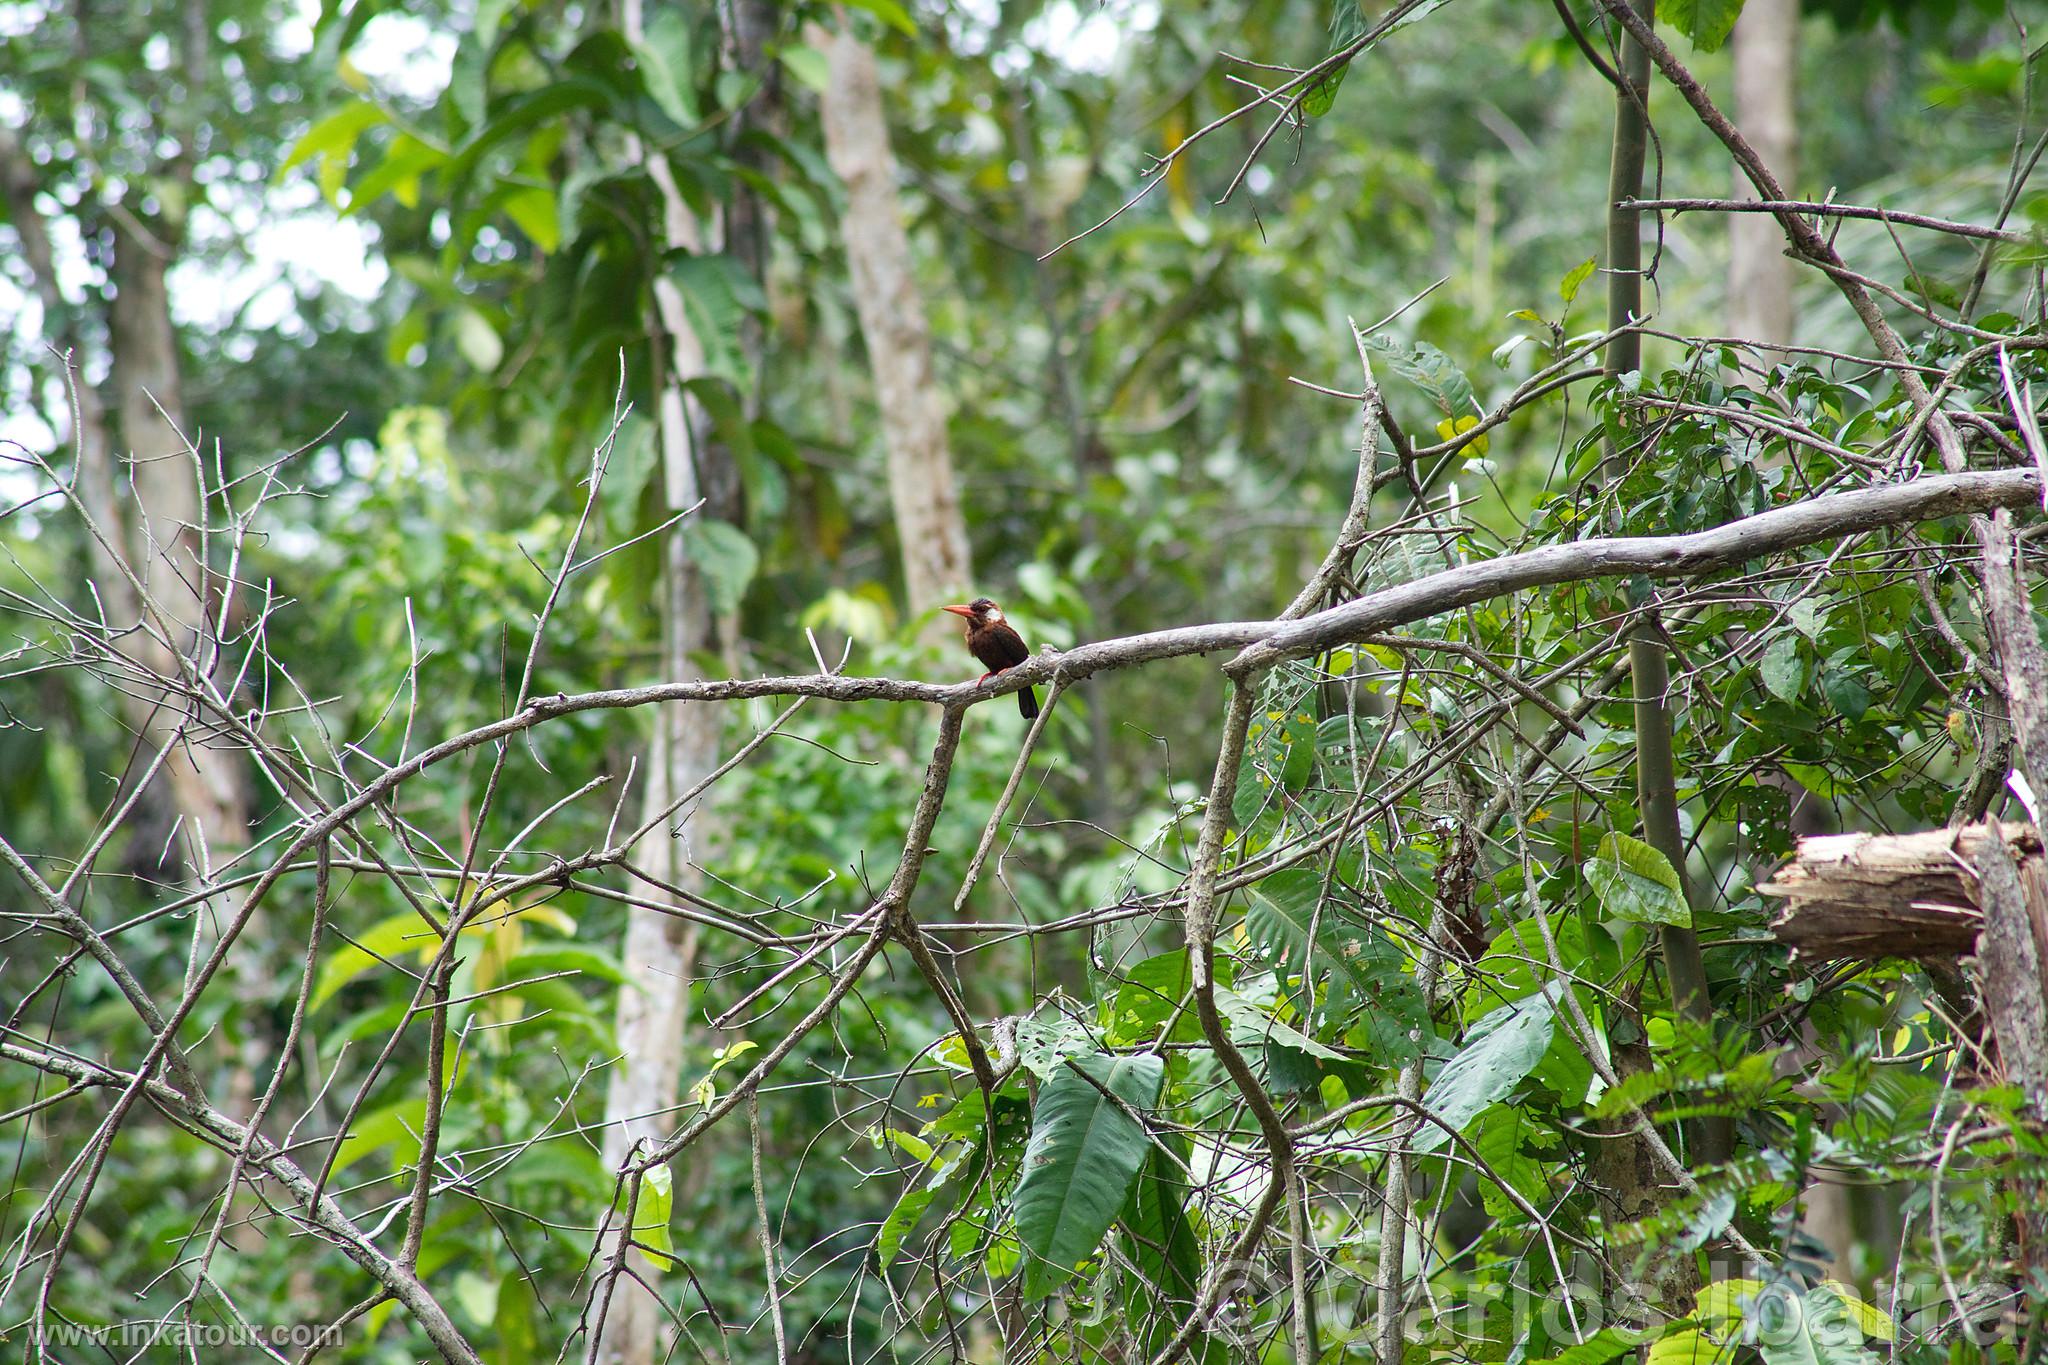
998	647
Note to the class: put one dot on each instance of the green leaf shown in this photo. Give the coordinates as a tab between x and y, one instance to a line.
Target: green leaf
1706	22
1255	1024
663	57
1871	1320
808	65
334	137
386	939
1845	692
1313	944
651	1213
889	12
1784	669
478	340
1162	1242
1498	1137
901	1219
727	559
1499	1052
1816	1328
1688	1346
1430	370
1603	1346
533	209
1347	26
1568	288
1083	1154
1637	883
1148	996
515	1335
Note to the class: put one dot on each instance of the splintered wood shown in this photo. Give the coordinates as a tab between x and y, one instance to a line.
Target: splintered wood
1891	895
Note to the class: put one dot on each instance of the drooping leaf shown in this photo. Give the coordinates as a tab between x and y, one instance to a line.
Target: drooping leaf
1637	883
1499	1051
1706	22
1083	1154
1430	370
1347	26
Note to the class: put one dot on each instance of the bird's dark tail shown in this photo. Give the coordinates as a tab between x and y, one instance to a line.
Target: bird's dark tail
1027	703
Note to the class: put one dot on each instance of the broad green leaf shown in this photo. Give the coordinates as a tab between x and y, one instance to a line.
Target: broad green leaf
1635	882
1501	1050
389	938
396	1126
1498	1137
1162	1242
1873	1321
1047	1039
515	1334
1815	1328
808	65
665	65
1313	944
909	1208
1845	692
1148	996
1430	370
1689	1346
1253	1022
1784	670
533	209
1083	1154
1603	1346
1347	26
1706	22
334	137
727	559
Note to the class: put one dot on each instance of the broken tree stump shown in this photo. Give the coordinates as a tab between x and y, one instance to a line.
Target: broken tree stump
1891	895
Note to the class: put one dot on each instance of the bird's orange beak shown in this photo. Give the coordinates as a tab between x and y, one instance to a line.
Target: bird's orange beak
968	612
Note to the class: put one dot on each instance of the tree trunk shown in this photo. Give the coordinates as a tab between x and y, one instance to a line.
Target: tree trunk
652	1019
168	552
892	321
1766	51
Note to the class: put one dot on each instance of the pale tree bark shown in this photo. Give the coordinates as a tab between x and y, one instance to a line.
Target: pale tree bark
652	1019
1766	51
168	548
1761	308
922	490
152	521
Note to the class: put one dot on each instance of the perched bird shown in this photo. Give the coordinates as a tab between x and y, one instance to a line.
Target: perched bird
996	643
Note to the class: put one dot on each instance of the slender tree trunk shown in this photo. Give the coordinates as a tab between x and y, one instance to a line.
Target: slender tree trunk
1766	47
1761	308
892	320
169	553
1622	1167
653	1022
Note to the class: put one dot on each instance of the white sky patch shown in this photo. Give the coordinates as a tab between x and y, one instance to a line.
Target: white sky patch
404	56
